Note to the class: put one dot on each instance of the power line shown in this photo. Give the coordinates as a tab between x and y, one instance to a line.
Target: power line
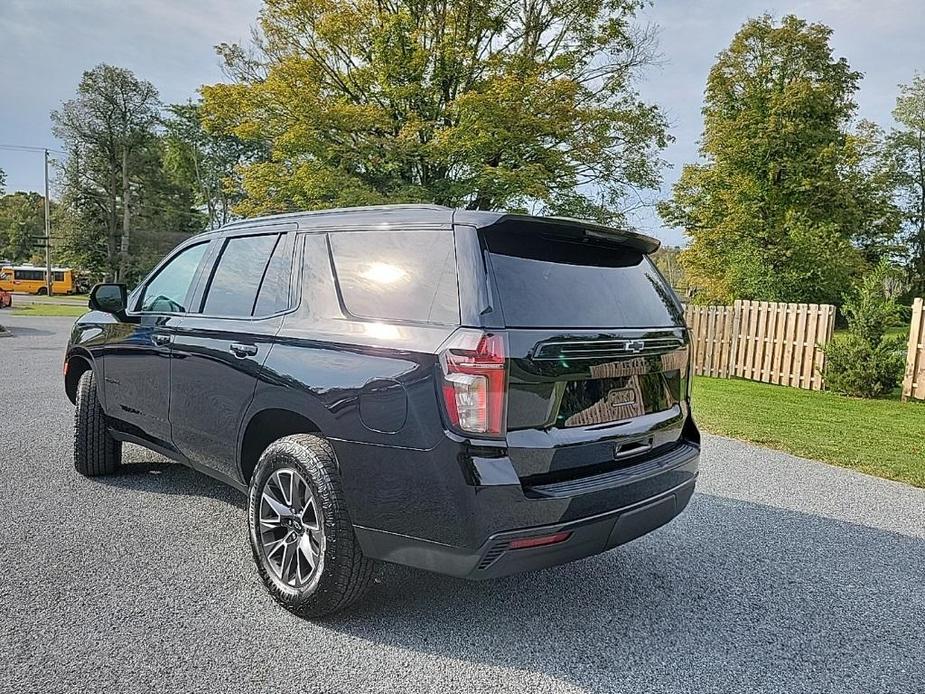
30	148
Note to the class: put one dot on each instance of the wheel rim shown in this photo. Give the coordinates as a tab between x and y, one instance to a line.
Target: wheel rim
291	529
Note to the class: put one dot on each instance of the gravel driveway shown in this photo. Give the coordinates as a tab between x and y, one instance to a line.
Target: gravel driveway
784	575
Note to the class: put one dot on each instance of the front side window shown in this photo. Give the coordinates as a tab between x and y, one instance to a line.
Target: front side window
167	292
233	288
398	275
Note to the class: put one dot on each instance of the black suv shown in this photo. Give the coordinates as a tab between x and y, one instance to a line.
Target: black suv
473	393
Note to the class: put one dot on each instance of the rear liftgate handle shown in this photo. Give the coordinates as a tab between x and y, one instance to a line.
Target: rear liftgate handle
161	340
632	448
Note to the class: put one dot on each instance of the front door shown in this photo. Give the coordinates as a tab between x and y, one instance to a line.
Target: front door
217	354
136	361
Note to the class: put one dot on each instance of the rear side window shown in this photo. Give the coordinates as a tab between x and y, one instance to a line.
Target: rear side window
548	282
236	278
273	296
401	275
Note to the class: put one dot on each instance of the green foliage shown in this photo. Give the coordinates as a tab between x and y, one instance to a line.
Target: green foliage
206	162
867	362
22	218
124	209
861	369
869	310
788	205
667	260
482	104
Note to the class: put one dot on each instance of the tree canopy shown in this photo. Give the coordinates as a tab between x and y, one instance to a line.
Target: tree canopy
22	220
906	151
474	103
788	204
123	207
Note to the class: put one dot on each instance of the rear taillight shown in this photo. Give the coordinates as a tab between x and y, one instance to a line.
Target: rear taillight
475	381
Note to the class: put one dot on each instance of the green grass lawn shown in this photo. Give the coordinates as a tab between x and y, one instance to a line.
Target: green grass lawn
880	437
38	309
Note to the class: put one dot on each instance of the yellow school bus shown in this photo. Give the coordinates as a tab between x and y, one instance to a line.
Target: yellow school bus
31	279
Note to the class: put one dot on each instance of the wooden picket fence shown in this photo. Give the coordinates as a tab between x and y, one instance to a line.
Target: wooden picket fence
762	341
914	381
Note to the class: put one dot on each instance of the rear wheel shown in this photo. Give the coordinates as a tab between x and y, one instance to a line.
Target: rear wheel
301	536
95	451
42	291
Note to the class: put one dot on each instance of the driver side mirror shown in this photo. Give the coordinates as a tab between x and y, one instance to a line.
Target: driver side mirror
109	298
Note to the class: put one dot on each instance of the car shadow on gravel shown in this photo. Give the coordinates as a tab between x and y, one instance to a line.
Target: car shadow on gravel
731	596
166	477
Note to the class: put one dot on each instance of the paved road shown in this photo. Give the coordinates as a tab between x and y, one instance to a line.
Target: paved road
783	576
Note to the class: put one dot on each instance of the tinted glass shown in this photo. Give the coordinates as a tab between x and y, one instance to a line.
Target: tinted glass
273	296
166	293
403	275
233	288
546	282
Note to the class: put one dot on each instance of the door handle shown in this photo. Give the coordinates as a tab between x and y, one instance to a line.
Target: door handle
241	351
161	340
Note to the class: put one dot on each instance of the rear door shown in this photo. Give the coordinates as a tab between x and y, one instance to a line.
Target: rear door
597	345
218	353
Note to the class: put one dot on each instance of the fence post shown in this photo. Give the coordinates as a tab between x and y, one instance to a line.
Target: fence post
734	342
913	386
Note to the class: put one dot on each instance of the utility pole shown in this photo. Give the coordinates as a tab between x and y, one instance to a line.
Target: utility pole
47	232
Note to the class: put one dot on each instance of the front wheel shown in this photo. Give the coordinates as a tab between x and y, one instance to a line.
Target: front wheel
95	451
301	536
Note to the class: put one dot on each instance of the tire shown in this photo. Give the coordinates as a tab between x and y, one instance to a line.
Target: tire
96	452
42	291
341	574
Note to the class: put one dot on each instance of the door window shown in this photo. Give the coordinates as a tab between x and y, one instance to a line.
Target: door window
237	276
167	292
273	296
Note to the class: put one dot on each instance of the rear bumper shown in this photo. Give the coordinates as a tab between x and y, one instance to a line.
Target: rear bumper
455	509
589	536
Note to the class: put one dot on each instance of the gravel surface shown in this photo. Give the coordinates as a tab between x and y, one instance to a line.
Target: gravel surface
784	575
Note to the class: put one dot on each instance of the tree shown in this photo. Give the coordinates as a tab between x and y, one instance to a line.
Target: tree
906	149
788	204
206	162
109	122
122	208
22	220
476	103
866	362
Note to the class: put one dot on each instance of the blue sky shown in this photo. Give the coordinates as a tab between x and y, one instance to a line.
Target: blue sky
45	45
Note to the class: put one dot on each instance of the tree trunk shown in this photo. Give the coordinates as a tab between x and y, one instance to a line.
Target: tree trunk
111	249
126	219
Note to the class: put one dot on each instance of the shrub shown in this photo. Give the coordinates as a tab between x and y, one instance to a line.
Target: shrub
865	363
857	368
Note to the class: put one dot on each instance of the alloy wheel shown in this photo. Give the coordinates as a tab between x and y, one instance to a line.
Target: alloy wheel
291	530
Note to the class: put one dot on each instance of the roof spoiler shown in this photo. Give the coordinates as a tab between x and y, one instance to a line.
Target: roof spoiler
578	228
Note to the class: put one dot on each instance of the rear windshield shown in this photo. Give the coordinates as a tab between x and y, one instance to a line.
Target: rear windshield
400	275
549	282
